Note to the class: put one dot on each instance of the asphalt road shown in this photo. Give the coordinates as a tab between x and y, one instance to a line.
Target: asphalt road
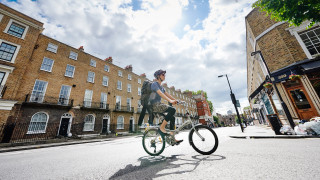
125	159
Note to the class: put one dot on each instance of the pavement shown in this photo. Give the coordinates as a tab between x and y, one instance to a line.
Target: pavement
264	131
261	131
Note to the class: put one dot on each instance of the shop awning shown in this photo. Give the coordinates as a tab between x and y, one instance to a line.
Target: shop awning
312	66
257	90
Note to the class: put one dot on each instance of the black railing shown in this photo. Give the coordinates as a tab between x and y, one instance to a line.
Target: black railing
42	99
124	108
95	105
28	132
2	90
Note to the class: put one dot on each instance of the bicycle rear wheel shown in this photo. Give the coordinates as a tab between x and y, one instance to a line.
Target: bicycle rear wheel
203	139
152	142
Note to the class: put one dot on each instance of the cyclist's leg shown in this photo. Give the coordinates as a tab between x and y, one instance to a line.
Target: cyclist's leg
170	116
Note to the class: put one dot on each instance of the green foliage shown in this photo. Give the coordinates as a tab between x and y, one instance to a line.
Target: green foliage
216	119
293	11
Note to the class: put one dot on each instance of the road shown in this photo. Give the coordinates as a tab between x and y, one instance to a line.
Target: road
124	158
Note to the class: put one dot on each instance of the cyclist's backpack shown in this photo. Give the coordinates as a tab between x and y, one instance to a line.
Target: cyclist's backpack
145	92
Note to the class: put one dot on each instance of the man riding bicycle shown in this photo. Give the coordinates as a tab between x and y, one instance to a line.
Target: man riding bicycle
159	92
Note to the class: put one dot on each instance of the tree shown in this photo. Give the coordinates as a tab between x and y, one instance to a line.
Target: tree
293	11
216	119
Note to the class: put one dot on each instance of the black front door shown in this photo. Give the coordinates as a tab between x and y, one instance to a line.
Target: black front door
104	126
64	127
130	126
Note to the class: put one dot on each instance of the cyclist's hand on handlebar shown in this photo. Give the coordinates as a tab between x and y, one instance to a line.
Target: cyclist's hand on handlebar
173	102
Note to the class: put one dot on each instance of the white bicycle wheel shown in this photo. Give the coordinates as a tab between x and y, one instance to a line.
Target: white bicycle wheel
204	140
153	143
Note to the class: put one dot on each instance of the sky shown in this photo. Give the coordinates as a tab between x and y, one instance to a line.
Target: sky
195	41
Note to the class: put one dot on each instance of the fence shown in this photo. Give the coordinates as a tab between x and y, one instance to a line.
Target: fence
25	132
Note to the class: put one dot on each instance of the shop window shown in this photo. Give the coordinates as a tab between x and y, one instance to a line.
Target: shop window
300	99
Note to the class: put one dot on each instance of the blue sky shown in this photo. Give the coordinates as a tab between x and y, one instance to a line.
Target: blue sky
194	40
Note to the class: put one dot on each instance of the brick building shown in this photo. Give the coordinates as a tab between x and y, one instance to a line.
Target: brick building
228	120
286	51
203	108
49	88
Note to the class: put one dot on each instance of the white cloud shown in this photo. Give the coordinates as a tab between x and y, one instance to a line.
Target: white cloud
144	39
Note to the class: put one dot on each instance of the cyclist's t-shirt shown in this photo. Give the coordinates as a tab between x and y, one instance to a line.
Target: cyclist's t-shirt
155	97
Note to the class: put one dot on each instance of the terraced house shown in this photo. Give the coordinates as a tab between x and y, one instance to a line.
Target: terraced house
51	89
291	56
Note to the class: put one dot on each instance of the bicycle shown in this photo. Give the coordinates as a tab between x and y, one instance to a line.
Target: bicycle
202	138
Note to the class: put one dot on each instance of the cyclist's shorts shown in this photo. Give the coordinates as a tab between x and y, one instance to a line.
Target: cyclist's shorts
160	107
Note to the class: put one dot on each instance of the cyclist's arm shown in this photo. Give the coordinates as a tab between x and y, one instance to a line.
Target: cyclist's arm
169	96
173	101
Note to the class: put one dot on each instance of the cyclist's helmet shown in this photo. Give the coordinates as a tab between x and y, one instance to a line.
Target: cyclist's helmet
158	73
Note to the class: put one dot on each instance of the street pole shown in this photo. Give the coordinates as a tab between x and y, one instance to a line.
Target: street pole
234	101
284	106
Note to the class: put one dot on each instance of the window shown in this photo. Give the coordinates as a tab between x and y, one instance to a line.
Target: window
47	64
52	48
139	81
139	91
38	91
16	29
311	40
129	104
120	73
129	77
129	87
87	98
118	102
90	77
106	68
120	122
105	80
103	101
2	74
93	63
119	85
69	70
64	95
38	123
73	55
88	123
8	51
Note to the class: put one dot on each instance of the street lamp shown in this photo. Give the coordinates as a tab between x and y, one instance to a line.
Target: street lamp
233	99
284	106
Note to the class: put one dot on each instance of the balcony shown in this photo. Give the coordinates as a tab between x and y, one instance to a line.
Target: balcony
124	108
39	98
95	105
2	90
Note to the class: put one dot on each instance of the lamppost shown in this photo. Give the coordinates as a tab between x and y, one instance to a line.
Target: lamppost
233	99
284	106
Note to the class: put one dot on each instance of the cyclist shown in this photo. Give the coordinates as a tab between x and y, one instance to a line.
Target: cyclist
159	92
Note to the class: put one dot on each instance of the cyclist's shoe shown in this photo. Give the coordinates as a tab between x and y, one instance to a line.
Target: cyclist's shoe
163	134
178	142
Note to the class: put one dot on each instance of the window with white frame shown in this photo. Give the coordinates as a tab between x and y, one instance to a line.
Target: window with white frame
106	68
8	51
2	75
119	85
129	103
139	81
87	98
38	92
47	64
38	123
93	63
16	29
120	122
103	101
90	77
73	55
120	73
129	77
129	87
89	123
139	91
105	81
52	48
69	70
311	39
64	95
118	102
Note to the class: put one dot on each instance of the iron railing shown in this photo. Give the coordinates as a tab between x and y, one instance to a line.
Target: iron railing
2	90
95	105
42	99
124	108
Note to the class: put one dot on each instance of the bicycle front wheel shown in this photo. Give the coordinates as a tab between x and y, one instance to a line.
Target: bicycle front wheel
153	143
203	139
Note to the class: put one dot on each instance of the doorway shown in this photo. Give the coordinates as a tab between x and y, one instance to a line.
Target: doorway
65	123
300	99
105	125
